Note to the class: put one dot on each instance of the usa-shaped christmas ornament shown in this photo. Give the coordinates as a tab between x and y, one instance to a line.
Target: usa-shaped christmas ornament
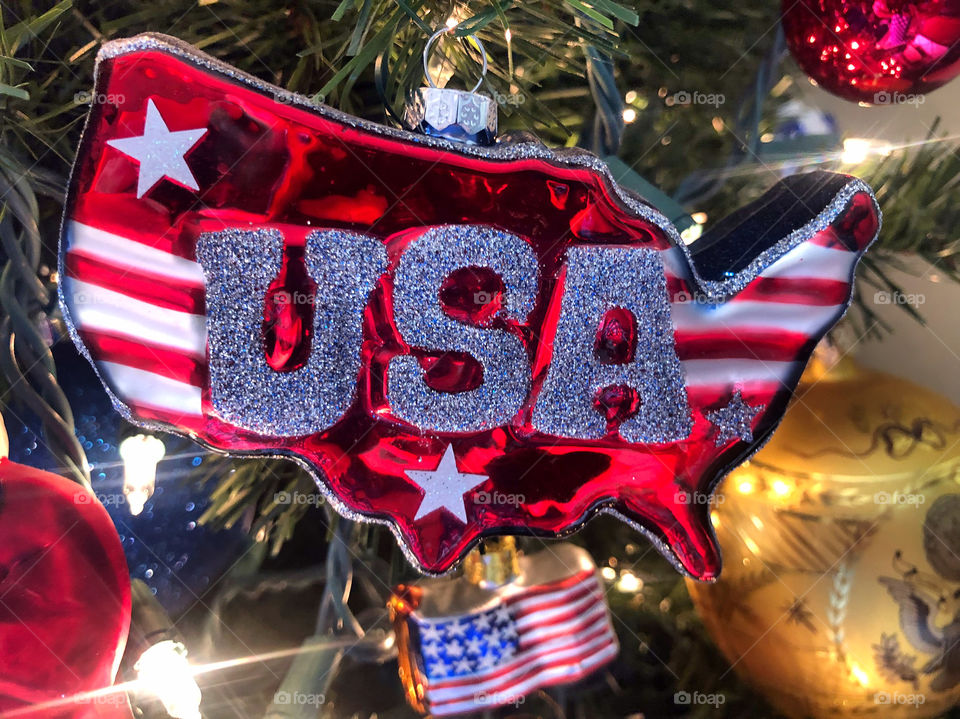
457	340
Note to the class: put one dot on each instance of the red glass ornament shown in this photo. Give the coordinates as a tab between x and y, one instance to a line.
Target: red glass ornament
877	51
64	598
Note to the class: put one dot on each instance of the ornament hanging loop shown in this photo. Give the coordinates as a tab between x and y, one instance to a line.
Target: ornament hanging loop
461	115
436	36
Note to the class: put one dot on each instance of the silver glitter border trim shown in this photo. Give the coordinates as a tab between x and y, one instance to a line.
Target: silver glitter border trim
525	149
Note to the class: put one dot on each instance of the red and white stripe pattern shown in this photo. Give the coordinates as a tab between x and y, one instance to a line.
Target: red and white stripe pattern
756	339
140	312
536	636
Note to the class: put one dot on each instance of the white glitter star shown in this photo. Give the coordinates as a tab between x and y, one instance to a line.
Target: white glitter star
509	632
160	152
501	615
734	420
445	486
431	633
431	651
463	666
508	651
440	669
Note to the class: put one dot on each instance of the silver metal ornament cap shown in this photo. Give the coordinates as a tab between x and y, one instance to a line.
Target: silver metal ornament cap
460	115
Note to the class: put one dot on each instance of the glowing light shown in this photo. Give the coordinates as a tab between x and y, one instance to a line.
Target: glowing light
692	233
715	518
163	671
452	22
861	676
629	115
781	488
631	97
629	582
508	35
858	149
751	545
855	151
757	522
746	487
855	45
609	573
140	455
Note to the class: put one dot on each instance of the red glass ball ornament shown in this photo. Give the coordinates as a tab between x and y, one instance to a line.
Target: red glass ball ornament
64	598
883	52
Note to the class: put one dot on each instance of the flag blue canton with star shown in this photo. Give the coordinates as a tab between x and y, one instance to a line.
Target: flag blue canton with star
466	645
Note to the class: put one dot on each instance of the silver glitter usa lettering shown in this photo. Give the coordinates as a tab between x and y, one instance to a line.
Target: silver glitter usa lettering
600	279
238	266
424	266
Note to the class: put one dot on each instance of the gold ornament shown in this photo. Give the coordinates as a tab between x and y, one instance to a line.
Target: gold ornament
840	589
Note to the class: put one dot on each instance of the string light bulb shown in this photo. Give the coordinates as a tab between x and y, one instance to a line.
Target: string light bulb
629	582
159	656
163	670
857	150
140	455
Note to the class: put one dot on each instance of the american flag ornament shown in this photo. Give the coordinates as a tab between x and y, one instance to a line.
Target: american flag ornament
509	626
457	340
